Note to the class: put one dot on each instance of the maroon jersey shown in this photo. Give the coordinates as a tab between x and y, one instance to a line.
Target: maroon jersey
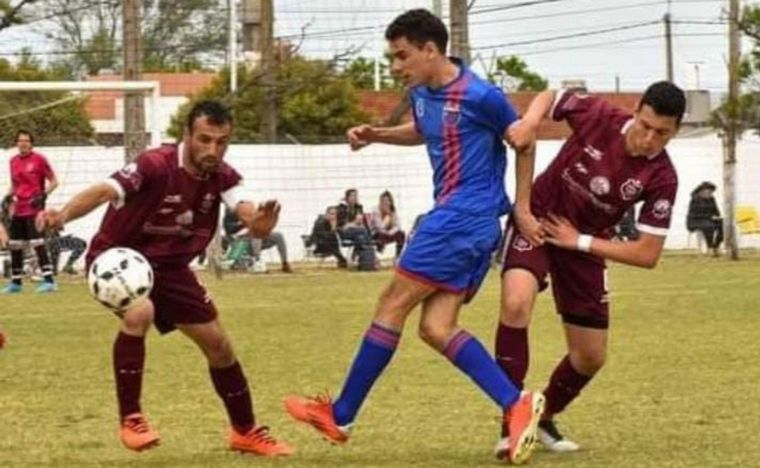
593	180
28	175
164	212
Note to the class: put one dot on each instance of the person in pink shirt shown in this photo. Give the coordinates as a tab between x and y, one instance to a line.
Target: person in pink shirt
32	180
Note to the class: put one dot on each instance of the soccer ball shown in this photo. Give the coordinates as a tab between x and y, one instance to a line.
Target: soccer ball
119	277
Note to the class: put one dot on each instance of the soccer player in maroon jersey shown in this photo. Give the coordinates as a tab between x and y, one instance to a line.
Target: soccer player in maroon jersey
32	180
166	206
612	160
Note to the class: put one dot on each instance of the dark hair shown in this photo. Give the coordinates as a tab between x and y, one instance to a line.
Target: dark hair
24	132
666	99
216	113
387	193
419	26
348	193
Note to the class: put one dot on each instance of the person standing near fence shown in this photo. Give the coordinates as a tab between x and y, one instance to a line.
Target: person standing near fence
32	180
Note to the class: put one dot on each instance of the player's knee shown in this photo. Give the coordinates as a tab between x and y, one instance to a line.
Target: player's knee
515	310
434	334
588	362
218	350
137	320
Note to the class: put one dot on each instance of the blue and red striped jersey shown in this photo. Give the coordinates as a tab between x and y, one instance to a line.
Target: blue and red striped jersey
463	124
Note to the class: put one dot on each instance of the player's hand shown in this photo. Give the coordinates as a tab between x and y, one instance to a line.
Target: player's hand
561	232
530	227
521	135
50	220
3	238
360	136
265	219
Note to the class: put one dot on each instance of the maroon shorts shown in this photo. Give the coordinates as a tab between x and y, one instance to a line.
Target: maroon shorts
179	298
578	279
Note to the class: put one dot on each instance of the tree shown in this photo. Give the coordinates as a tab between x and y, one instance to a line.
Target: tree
53	117
513	73
176	34
11	15
315	103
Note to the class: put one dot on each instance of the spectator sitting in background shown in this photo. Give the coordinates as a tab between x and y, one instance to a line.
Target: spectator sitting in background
704	216
351	223
385	225
235	229
58	243
324	236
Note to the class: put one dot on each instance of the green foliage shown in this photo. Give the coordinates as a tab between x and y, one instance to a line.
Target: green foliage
676	391
315	103
517	75
59	124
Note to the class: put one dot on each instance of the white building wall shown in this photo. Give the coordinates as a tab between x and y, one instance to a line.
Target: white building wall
306	179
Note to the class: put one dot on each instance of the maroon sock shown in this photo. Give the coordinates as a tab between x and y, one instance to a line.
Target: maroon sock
512	353
564	386
232	388
128	363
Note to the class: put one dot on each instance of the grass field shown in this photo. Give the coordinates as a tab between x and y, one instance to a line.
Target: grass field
680	388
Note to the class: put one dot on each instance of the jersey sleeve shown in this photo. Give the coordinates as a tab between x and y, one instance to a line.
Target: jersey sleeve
133	178
656	214
232	189
496	110
578	109
47	169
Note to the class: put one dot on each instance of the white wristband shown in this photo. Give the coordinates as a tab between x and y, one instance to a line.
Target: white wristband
584	243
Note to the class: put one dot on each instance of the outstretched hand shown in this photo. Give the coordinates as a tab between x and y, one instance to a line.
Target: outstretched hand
360	136
50	220
264	219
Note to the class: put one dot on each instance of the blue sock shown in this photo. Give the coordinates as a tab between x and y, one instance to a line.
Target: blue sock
374	354
466	352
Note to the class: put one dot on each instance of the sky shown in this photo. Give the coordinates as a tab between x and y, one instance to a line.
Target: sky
592	40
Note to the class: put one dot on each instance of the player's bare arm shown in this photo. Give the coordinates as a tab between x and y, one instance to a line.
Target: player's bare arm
404	134
259	219
644	252
52	184
528	225
3	237
80	205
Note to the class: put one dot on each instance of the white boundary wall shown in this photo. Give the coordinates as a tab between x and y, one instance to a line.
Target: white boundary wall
306	178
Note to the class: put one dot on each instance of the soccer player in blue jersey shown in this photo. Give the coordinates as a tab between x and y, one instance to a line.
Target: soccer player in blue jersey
463	121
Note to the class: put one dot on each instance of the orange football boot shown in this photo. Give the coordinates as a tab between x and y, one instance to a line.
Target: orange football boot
135	433
318	413
522	419
258	441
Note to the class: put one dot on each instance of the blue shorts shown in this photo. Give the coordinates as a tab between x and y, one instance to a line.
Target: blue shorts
451	250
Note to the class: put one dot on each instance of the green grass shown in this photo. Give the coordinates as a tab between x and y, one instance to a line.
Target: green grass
679	389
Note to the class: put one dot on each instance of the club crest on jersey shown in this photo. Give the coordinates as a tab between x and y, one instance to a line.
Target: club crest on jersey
207	203
661	209
451	113
184	219
631	189
521	244
595	154
599	185
419	108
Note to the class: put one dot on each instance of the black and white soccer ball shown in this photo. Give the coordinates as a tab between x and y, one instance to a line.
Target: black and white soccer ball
119	277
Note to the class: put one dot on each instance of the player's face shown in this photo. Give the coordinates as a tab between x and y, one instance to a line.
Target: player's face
24	143
650	132
411	64
385	204
208	144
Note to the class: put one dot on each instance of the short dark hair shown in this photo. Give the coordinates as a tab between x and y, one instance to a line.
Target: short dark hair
419	26
24	132
666	99
216	113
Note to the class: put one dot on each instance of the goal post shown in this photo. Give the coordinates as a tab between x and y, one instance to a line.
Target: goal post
151	89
